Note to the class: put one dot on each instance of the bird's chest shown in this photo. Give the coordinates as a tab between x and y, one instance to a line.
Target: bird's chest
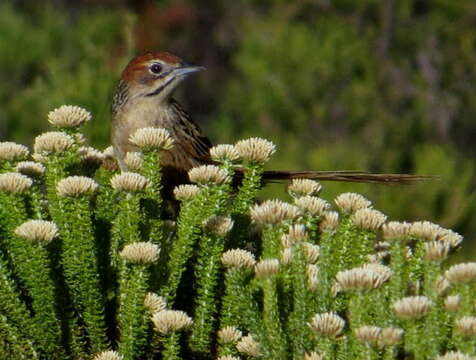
142	115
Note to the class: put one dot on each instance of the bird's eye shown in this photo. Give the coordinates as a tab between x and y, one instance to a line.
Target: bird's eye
155	68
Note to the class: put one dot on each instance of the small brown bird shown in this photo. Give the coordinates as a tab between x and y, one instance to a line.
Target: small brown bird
144	99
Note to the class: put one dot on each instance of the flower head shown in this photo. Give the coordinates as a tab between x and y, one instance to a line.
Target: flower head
39	231
229	334
463	272
30	168
68	116
303	187
152	138
255	150
186	192
108	355
266	268
224	153
130	182
53	142
14	183
207	174
219	225
313	205
368	219
140	253
351	202
76	186
238	258
155	303
168	321
327	324
412	307
10	151
248	346
273	212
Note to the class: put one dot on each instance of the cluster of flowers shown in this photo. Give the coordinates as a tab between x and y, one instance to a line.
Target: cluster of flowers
88	262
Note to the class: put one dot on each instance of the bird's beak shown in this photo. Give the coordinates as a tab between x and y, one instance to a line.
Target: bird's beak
186	70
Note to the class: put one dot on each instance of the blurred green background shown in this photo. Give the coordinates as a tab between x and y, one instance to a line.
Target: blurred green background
378	85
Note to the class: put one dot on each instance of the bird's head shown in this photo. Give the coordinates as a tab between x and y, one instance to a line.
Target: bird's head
156	74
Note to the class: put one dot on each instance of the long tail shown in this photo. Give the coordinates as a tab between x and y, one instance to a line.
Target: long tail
347	176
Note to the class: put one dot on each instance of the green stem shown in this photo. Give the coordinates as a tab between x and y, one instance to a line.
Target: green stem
207	270
132	312
81	267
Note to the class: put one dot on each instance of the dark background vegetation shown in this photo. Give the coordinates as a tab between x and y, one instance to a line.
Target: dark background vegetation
379	85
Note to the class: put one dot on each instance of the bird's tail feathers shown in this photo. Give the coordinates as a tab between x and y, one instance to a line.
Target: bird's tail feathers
346	176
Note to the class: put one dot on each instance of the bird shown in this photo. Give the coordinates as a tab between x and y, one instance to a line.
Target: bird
144	98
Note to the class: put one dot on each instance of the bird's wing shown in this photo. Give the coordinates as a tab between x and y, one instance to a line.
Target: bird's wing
196	145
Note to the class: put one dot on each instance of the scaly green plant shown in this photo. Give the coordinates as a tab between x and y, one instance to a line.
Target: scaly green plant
296	280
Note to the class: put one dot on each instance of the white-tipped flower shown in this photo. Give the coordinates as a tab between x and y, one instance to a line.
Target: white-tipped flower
330	221
238	258
224	153
368	219
368	334
327	324
391	336
152	138
296	233
442	286
14	183
228	357
312	272
108	355
168	321
140	253
312	252
313	356
384	271
219	225
207	174
303	187
266	268
436	250
68	116
155	303
351	202
109	152
30	168
455	355
39	231
312	205
425	230
360	279
10	151
395	230
453	303
134	161
255	150
91	155
130	182
248	346
463	272
466	326
186	192
412	307
229	334
450	237
53	142
286	256
76	186
273	212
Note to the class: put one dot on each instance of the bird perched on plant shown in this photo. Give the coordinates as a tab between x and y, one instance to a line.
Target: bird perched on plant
144	99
